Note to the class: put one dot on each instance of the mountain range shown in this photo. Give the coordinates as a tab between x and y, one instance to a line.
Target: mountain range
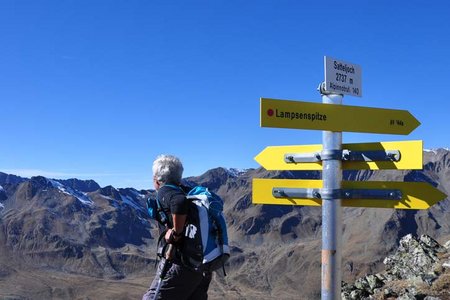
72	239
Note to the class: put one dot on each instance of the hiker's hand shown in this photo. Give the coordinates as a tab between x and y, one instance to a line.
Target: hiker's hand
170	252
171	237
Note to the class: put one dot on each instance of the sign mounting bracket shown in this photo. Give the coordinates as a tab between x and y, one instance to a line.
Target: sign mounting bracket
345	155
305	193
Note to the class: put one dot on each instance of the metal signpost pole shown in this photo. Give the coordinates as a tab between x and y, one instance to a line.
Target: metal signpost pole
341	78
331	208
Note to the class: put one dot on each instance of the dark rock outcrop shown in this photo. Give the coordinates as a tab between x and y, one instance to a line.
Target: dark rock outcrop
415	271
80	185
10	179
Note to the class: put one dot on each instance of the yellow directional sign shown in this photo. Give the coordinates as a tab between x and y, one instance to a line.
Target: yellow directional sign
411	155
262	191
332	117
415	195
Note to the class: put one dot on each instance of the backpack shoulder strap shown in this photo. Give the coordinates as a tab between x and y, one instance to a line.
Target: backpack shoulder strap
163	206
176	187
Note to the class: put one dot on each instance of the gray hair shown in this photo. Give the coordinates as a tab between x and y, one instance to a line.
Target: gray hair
168	169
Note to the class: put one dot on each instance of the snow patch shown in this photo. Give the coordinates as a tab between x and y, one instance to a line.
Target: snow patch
137	194
130	202
82	197
1	206
234	172
106	197
134	193
436	150
112	201
1	189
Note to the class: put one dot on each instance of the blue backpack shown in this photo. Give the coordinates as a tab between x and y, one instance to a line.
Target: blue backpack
205	243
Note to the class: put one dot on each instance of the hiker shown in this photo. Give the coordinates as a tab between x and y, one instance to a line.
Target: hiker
179	282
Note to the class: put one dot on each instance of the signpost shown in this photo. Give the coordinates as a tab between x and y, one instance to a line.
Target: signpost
332	117
331	192
331	208
398	195
408	155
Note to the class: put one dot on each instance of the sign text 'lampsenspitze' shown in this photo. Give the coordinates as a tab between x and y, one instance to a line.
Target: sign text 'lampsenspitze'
296	115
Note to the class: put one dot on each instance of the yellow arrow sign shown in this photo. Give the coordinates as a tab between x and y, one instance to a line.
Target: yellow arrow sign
331	117
411	155
415	195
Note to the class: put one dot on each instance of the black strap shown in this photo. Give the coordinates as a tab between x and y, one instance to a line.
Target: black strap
165	205
223	268
160	254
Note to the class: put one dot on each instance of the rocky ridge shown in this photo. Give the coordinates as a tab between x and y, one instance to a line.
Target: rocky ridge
419	269
55	223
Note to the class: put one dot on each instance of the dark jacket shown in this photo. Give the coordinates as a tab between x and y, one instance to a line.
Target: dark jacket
173	201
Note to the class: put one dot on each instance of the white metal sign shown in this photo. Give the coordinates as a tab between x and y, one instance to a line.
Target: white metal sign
342	77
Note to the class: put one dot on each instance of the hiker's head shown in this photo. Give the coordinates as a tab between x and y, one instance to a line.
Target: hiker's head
167	169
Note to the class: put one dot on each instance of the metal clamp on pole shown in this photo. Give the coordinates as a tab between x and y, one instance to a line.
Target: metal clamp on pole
323	91
293	158
296	193
330	194
368	156
331	155
372	194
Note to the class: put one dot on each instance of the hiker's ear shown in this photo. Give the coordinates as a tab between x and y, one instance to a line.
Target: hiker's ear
156	183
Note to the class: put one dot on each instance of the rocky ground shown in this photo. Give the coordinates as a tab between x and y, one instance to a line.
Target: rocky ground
420	269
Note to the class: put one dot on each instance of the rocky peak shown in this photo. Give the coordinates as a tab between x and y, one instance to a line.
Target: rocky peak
415	271
85	186
2	194
10	179
213	179
41	181
437	160
111	192
415	259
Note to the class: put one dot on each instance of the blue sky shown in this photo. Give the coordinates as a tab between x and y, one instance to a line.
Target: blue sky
97	89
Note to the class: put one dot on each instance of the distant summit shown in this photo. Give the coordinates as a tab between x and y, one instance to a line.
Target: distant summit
10	179
81	185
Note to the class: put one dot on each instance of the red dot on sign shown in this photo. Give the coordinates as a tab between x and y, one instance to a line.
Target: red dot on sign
270	112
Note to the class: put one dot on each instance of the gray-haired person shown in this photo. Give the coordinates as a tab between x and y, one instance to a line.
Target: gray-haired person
179	282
